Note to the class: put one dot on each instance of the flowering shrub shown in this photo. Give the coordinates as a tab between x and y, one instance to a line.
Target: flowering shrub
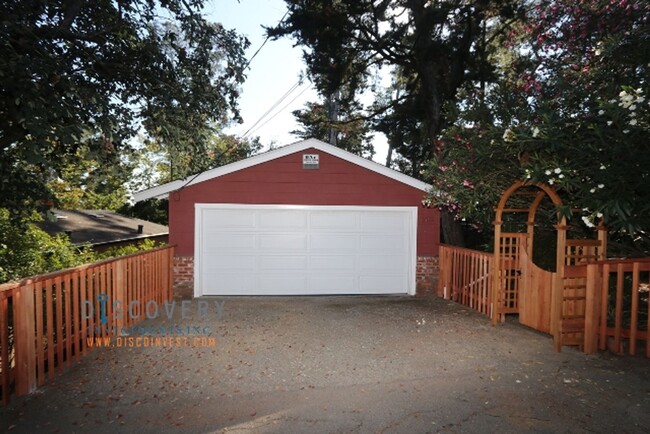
570	108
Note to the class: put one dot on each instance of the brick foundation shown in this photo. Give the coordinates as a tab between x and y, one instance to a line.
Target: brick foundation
183	270
426	276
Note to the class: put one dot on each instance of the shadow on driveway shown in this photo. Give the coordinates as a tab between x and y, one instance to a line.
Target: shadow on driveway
340	364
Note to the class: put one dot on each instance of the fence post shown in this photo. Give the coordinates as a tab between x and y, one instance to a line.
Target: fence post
24	339
592	309
442	271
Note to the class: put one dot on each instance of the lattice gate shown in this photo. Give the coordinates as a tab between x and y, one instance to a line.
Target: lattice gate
551	302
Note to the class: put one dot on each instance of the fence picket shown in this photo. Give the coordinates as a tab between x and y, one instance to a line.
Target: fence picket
69	318
52	319
466	277
40	350
49	320
634	314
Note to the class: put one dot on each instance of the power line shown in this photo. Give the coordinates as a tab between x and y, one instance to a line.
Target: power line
227	150
265	41
275	104
283	108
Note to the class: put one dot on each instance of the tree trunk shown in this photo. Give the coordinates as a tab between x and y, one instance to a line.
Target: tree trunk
389	155
333	116
452	230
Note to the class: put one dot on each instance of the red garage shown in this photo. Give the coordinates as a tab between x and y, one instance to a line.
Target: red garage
307	218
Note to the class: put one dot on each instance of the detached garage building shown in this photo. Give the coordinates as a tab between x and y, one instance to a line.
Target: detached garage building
307	218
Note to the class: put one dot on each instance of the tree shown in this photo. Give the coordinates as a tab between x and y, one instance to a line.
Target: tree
87	181
352	132
91	74
26	250
570	109
435	46
155	164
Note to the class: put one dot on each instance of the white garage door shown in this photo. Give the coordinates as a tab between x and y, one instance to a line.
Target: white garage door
304	250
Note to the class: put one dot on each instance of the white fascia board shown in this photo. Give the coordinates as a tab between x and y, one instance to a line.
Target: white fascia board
372	165
161	191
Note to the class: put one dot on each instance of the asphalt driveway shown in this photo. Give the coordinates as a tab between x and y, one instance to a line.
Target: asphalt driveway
339	364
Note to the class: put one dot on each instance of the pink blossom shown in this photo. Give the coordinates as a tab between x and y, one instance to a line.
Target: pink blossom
468	184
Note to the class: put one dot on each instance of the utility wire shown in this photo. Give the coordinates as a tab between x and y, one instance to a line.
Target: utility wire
282	109
275	104
227	150
265	41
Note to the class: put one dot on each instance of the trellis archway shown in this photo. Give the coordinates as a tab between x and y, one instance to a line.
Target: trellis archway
549	301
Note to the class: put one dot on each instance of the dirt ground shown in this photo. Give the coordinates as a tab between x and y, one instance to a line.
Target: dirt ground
342	364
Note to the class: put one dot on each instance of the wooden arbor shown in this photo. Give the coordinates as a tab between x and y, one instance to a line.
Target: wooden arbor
551	302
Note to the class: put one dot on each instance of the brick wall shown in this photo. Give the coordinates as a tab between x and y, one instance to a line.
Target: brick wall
183	270
426	276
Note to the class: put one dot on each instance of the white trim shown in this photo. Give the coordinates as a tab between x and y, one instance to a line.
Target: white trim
413	260
161	191
198	237
198	231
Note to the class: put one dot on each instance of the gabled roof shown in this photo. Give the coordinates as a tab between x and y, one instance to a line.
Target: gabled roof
162	190
97	227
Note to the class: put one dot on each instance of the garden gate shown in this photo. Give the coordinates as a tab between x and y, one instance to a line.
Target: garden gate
553	302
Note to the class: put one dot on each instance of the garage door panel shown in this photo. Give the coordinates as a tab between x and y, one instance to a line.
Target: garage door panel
281	242
333	263
390	243
282	263
230	284
230	262
229	219
229	240
325	221
383	222
292	250
338	242
290	219
381	264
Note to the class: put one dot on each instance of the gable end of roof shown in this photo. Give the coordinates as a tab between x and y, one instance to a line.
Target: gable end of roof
162	190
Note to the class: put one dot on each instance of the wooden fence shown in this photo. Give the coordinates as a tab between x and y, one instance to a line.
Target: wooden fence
617	308
45	321
465	277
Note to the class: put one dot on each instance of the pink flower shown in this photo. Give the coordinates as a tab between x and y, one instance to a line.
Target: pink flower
468	184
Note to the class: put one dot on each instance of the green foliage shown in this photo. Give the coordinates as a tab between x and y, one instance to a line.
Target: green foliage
153	210
25	250
156	163
90	181
128	249
569	108
433	47
352	131
89	75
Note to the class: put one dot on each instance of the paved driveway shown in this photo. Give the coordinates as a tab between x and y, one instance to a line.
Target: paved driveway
342	364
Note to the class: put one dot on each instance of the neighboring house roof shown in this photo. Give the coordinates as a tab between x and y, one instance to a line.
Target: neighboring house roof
98	227
164	189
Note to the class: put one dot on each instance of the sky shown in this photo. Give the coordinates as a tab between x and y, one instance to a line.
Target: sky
274	72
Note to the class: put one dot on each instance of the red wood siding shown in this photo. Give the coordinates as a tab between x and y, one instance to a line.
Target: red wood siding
283	181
